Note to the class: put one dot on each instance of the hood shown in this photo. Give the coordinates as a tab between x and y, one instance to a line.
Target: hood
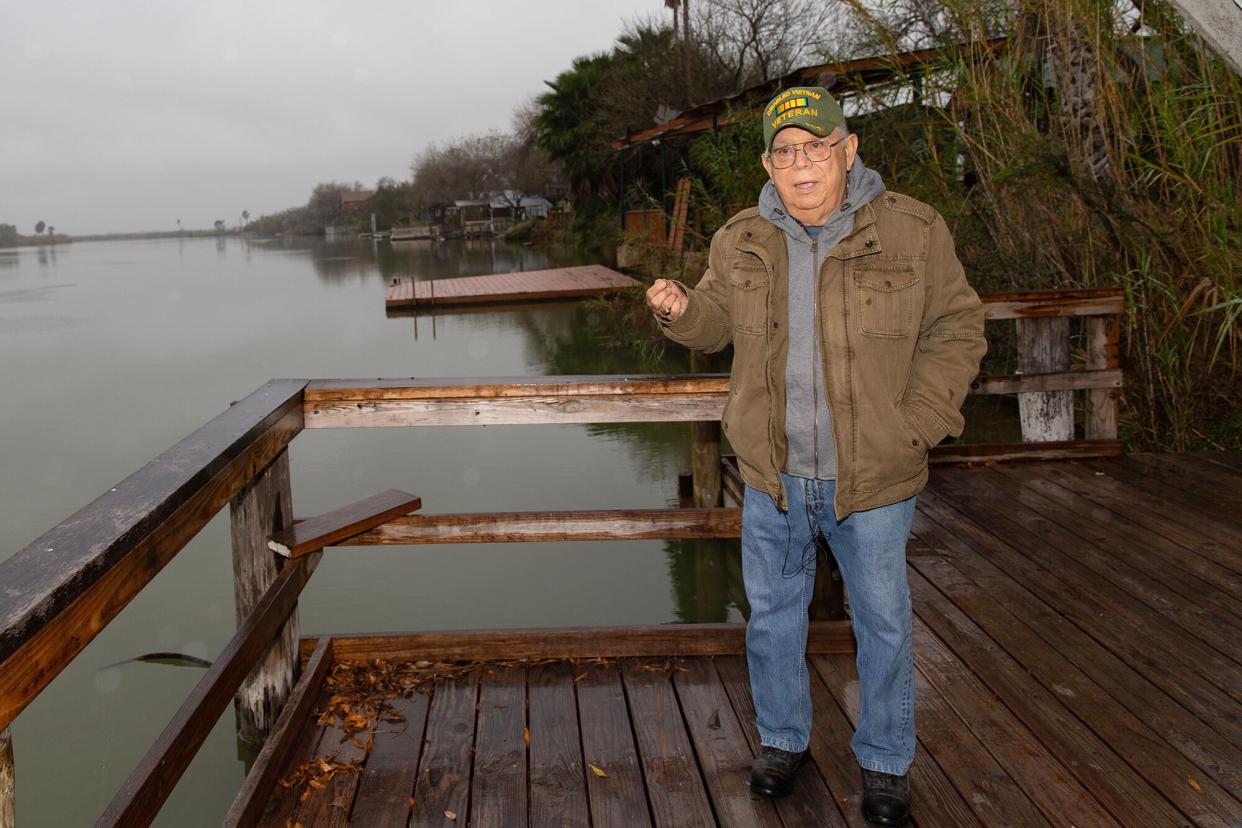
864	185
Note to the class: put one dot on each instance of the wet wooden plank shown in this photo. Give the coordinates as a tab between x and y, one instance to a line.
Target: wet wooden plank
251	799
282	803
1141	509
1113	626
498	793
442	790
1126	732
1037	769
330	806
387	785
575	642
1134	568
674	785
721	746
613	773
810	803
1217	489
65	587
1146	605
934	799
557	783
546	527
315	533
985	785
1197	579
1179	507
1089	733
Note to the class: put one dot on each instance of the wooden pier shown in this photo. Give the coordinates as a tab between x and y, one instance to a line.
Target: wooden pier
1078	630
526	286
1078	642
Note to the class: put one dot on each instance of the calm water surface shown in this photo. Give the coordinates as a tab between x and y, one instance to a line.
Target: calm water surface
111	352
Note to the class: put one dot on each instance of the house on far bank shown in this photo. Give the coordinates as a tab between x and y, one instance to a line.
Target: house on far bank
357	201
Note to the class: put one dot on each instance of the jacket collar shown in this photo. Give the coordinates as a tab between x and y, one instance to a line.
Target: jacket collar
763	238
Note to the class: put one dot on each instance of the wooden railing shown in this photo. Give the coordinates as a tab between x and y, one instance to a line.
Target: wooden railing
66	586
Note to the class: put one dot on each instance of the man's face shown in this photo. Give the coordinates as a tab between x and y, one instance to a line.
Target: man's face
812	189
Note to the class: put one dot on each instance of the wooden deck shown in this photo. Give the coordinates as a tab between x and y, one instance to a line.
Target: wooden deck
1078	640
528	286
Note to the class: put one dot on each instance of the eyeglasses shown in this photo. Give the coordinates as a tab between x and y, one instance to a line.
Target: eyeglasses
817	151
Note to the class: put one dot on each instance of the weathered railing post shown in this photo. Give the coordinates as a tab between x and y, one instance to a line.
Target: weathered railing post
1043	347
263	507
1103	342
8	780
705	444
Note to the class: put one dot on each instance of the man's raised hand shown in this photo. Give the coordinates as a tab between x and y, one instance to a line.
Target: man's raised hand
666	300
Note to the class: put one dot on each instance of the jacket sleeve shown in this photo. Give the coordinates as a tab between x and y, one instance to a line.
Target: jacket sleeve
950	346
705	325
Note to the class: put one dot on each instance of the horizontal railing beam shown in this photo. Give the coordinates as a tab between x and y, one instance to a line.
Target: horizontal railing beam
572	642
1031	304
61	590
514	401
596	525
1053	381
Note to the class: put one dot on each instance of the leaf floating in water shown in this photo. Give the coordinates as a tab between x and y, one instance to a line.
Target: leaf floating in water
598	771
714	721
171	659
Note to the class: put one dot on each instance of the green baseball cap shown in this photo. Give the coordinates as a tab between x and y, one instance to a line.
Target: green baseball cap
809	107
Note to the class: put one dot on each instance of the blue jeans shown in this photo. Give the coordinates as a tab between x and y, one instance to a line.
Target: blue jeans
778	566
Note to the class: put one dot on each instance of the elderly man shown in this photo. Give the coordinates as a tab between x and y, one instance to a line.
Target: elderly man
855	337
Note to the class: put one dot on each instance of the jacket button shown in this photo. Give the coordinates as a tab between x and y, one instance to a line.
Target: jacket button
748	234
888	284
914	443
776	324
891	201
748	283
870	243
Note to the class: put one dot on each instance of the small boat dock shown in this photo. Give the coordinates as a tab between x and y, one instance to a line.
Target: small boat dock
527	286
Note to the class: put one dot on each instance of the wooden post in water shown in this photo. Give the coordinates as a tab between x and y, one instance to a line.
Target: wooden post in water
1103	340
263	507
1043	347
8	780
705	443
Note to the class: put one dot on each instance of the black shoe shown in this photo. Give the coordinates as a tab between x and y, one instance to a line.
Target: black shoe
772	774
886	798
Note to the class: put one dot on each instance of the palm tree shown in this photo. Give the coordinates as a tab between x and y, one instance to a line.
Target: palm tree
39	228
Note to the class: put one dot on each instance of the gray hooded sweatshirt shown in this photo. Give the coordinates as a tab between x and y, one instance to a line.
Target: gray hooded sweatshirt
808	422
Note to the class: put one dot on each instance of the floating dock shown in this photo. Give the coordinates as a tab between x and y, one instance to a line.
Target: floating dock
527	286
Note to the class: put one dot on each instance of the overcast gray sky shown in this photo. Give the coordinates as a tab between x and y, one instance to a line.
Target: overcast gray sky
127	115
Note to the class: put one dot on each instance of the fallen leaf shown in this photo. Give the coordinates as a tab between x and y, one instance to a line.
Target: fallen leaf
598	771
410	802
526	733
714	721
451	814
1198	788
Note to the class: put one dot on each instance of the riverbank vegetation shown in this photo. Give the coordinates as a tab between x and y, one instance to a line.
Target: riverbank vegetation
1077	144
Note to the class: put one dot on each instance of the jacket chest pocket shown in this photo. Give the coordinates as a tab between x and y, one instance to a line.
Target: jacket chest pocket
748	299
886	299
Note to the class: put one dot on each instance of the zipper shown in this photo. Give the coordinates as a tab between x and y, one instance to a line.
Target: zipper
815	341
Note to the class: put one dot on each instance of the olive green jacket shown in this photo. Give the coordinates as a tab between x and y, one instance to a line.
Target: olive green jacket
901	333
